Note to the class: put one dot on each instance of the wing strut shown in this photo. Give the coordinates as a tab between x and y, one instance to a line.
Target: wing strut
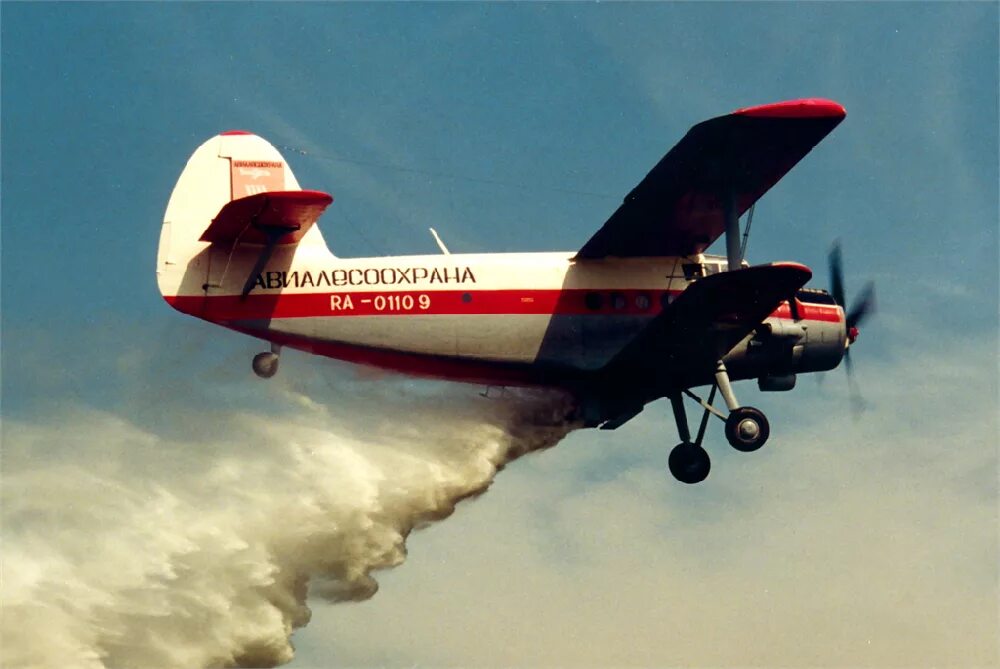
732	220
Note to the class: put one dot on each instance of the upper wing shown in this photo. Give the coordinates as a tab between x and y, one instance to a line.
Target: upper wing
678	208
707	320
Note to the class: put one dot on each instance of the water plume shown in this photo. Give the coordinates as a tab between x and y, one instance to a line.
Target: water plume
193	540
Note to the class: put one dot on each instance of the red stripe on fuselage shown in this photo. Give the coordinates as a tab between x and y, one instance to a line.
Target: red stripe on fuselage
413	302
223	308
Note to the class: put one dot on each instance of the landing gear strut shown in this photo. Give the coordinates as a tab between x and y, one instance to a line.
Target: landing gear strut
265	365
747	429
688	462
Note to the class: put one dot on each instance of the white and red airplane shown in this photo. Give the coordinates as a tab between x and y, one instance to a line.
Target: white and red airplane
638	313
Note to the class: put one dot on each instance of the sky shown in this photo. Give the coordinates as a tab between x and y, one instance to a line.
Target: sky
861	541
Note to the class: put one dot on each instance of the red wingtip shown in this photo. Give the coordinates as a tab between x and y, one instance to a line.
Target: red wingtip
806	108
793	265
236	132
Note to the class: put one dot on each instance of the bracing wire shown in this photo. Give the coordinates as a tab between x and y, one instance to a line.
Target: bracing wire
746	232
446	175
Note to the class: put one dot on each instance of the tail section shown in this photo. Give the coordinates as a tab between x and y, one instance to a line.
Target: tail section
211	237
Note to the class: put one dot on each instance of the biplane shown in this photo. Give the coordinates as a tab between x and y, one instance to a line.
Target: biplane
638	313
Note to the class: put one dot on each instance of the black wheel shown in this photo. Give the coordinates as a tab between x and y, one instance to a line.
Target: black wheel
265	365
747	429
689	463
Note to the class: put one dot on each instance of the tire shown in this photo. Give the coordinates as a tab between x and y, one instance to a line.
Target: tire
747	429
265	365
689	463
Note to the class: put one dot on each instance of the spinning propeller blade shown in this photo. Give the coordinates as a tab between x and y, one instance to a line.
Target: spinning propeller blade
864	306
836	274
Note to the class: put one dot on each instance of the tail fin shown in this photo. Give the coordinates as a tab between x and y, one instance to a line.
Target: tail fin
231	166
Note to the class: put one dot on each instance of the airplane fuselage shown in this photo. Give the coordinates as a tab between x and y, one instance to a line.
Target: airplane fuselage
522	318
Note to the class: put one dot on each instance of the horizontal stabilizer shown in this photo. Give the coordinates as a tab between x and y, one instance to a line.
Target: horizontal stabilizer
272	217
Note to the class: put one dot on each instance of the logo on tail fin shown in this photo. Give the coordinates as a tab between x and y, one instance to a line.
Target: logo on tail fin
250	177
254	172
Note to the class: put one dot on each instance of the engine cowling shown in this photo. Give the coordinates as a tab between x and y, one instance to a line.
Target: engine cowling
781	348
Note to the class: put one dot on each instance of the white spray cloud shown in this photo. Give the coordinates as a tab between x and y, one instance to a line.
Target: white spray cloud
195	544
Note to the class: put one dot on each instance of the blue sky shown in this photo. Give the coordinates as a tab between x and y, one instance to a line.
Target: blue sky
520	127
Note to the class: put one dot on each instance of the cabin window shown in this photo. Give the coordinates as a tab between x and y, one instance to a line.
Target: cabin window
467	297
693	271
618	301
665	300
593	300
642	302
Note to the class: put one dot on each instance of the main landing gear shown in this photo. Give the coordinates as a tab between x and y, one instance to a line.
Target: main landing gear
265	365
746	430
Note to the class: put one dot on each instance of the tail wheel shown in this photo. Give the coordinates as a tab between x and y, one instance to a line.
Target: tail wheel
265	365
747	429
689	463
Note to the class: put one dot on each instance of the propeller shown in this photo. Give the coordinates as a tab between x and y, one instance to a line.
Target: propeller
862	307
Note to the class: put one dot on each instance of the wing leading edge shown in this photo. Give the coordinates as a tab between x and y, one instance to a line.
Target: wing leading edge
677	209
